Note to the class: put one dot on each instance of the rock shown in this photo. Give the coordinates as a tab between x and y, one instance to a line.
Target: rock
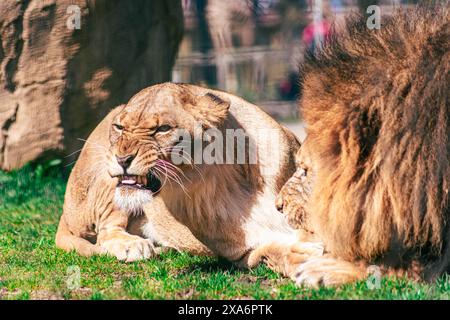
57	81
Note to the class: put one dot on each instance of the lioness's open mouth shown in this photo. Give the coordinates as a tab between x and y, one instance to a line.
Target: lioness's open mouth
149	182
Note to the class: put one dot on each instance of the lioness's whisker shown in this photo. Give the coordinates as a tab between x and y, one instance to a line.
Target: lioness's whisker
172	174
69	164
166	164
174	177
71	154
195	167
79	150
158	169
95	144
159	177
95	156
185	156
158	174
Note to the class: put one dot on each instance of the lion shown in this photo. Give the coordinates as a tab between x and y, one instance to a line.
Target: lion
375	166
127	172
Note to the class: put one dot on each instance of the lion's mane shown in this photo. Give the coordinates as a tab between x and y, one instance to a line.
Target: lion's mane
376	106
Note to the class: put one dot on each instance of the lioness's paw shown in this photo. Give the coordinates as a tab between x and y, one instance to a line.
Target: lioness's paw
129	250
327	272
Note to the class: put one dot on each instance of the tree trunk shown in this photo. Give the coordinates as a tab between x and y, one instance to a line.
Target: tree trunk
57	81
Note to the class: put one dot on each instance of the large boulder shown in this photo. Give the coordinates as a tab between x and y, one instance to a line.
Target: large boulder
59	75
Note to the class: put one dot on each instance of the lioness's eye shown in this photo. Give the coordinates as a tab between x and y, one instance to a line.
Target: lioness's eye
118	126
163	128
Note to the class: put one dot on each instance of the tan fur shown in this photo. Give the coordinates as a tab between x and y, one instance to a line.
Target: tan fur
376	105
165	231
229	208
90	216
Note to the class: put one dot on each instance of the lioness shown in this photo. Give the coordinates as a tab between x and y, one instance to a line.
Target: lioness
229	207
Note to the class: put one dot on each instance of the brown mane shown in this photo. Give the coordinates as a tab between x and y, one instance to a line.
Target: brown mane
376	106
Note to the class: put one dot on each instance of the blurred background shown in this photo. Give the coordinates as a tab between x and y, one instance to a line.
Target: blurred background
253	48
65	63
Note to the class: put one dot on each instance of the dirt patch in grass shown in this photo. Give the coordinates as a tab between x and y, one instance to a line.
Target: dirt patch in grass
45	295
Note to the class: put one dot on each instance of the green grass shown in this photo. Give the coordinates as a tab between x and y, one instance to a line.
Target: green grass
31	267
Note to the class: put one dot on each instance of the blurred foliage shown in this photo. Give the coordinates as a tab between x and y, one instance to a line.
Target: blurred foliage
45	180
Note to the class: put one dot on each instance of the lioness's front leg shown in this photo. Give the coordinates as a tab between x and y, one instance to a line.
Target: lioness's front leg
115	240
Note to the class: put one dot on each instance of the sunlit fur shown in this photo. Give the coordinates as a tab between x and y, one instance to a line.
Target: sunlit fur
211	199
376	105
131	200
230	208
94	207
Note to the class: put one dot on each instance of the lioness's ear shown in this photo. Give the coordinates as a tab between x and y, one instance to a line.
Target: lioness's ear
210	110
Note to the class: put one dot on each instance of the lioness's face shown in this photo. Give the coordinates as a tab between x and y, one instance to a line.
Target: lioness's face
146	132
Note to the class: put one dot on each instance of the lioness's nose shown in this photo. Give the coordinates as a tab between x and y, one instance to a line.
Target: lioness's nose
125	161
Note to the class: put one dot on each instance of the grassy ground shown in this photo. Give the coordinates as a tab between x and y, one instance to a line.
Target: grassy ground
32	268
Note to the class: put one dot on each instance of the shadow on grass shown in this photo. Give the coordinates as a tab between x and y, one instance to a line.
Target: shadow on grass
214	266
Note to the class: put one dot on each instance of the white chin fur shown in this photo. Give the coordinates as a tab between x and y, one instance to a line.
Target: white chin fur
132	201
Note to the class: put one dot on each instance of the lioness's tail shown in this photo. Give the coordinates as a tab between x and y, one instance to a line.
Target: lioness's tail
67	241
